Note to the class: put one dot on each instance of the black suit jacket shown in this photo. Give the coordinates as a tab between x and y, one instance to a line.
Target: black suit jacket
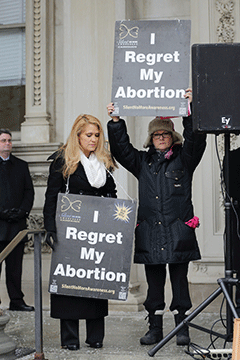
234	173
16	191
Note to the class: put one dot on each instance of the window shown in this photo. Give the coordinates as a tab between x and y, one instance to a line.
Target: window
12	63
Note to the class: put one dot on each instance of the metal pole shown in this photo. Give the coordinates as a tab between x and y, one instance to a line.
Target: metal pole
39	355
15	241
228	296
228	253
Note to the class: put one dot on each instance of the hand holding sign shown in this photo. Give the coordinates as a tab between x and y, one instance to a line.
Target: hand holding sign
111	109
51	239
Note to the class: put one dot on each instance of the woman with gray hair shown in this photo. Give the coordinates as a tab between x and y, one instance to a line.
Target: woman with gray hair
165	231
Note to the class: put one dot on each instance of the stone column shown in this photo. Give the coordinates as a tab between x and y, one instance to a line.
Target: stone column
136	296
36	127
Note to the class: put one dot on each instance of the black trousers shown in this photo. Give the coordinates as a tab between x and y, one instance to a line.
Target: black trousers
13	264
236	251
156	278
70	331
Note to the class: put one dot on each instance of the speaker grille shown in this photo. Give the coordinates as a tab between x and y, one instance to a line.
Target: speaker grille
216	87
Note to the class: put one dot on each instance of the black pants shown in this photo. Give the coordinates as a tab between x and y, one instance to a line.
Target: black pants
236	251
156	278
70	331
14	272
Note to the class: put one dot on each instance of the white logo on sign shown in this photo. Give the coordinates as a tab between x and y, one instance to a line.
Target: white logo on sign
225	120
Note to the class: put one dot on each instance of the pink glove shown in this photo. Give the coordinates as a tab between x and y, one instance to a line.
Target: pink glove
193	223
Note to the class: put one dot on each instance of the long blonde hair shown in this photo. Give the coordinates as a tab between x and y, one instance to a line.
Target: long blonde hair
70	150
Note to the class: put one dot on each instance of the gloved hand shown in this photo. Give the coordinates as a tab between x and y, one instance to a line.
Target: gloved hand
51	239
16	214
4	214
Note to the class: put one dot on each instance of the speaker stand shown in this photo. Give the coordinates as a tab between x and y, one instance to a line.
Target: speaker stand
225	284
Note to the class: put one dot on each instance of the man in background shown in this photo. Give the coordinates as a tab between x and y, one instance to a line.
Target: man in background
16	200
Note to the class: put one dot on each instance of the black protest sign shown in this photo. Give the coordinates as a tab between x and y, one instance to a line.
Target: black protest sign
151	67
92	257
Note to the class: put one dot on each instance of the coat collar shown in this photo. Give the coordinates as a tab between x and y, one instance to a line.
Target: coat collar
171	154
11	159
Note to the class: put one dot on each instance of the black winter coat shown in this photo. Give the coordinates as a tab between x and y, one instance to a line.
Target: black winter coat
62	306
16	191
165	204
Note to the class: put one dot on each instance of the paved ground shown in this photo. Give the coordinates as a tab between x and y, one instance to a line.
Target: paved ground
121	342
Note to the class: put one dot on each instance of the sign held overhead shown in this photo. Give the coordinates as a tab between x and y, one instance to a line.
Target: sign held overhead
151	67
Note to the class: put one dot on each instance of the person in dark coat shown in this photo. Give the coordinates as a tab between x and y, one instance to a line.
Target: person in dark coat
16	201
233	169
83	162
165	226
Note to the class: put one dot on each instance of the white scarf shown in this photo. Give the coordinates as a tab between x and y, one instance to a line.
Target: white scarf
94	169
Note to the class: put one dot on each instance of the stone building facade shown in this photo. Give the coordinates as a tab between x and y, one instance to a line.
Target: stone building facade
69	57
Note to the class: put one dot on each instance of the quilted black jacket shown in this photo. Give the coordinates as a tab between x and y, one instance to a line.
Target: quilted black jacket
165	194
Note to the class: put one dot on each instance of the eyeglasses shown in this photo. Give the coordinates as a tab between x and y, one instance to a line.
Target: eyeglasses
165	135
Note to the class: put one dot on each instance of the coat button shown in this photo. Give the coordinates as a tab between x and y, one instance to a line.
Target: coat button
156	197
159	222
162	248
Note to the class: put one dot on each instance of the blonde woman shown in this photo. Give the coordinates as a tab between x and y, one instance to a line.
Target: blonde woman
82	162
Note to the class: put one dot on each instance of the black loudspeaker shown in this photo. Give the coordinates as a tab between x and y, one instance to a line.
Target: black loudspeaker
216	88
